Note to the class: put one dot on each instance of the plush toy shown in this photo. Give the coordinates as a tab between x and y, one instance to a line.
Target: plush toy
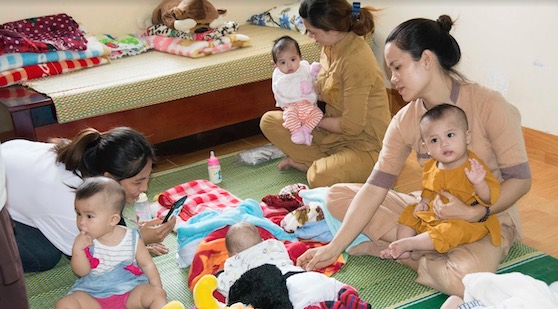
196	16
203	295
263	287
302	215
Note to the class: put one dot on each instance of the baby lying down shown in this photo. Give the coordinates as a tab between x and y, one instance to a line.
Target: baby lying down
255	264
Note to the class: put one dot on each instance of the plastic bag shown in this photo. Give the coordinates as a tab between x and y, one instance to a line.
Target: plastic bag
259	155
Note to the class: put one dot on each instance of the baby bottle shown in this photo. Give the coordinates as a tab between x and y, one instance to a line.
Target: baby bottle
143	212
214	168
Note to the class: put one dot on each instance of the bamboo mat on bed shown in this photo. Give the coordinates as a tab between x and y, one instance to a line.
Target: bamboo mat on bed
383	283
155	77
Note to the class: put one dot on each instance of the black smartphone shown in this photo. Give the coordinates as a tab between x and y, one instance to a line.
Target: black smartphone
175	209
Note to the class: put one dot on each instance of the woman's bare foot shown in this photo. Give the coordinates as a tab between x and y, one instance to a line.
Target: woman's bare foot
386	254
366	248
287	163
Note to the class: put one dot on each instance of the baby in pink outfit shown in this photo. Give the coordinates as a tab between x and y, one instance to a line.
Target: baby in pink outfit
293	88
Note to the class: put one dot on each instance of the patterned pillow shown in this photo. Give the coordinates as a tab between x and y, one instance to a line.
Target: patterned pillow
283	16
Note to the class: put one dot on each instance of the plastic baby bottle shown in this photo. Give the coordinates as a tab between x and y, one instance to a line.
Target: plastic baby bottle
143	212
214	168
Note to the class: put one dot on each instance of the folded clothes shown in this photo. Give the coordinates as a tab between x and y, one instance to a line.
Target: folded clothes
23	74
42	34
125	45
19	60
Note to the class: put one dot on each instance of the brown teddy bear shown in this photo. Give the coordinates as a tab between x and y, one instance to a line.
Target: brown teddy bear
196	16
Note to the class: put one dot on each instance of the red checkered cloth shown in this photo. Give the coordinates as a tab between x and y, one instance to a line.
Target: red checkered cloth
202	194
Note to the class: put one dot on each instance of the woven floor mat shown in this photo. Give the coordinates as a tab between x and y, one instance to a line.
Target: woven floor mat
383	283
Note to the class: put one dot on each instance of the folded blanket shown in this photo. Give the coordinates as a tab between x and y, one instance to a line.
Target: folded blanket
228	27
125	45
42	34
23	74
197	49
18	60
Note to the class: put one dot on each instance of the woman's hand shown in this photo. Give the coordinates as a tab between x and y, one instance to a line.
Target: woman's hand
153	233
456	209
157	248
317	258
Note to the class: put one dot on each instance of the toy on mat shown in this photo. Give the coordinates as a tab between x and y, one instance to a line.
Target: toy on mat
203	295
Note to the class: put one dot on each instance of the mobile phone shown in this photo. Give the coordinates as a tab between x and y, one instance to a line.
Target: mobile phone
175	209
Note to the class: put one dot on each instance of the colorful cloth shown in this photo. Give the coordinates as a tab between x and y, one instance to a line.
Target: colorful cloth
126	45
319	195
197	49
211	254
347	299
18	60
23	74
228	27
210	220
202	195
42	34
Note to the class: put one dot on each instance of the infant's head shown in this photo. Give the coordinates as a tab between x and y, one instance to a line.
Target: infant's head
241	236
99	203
286	54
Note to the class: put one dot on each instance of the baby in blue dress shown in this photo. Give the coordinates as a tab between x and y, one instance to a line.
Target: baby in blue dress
114	266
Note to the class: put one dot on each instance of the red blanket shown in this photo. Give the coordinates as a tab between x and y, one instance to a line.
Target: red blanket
18	75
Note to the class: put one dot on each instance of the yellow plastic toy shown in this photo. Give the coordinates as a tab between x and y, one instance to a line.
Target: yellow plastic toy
203	295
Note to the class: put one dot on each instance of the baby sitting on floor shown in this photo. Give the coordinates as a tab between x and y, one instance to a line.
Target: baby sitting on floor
247	250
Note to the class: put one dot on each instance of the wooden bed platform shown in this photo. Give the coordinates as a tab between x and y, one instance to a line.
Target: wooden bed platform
34	117
164	96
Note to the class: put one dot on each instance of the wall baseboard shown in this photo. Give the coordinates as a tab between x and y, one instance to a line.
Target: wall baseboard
541	146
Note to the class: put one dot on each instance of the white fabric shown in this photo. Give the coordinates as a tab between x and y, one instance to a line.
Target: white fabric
287	89
509	291
40	191
2	182
304	289
110	256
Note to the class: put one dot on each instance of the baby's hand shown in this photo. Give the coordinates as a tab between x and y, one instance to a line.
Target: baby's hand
315	69
82	241
477	173
421	206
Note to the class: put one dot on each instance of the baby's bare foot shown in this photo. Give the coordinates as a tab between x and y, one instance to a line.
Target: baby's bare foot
399	249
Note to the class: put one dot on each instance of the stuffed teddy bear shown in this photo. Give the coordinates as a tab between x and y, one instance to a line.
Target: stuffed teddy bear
263	287
195	16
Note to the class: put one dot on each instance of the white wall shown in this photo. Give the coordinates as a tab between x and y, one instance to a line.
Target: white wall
511	46
118	17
